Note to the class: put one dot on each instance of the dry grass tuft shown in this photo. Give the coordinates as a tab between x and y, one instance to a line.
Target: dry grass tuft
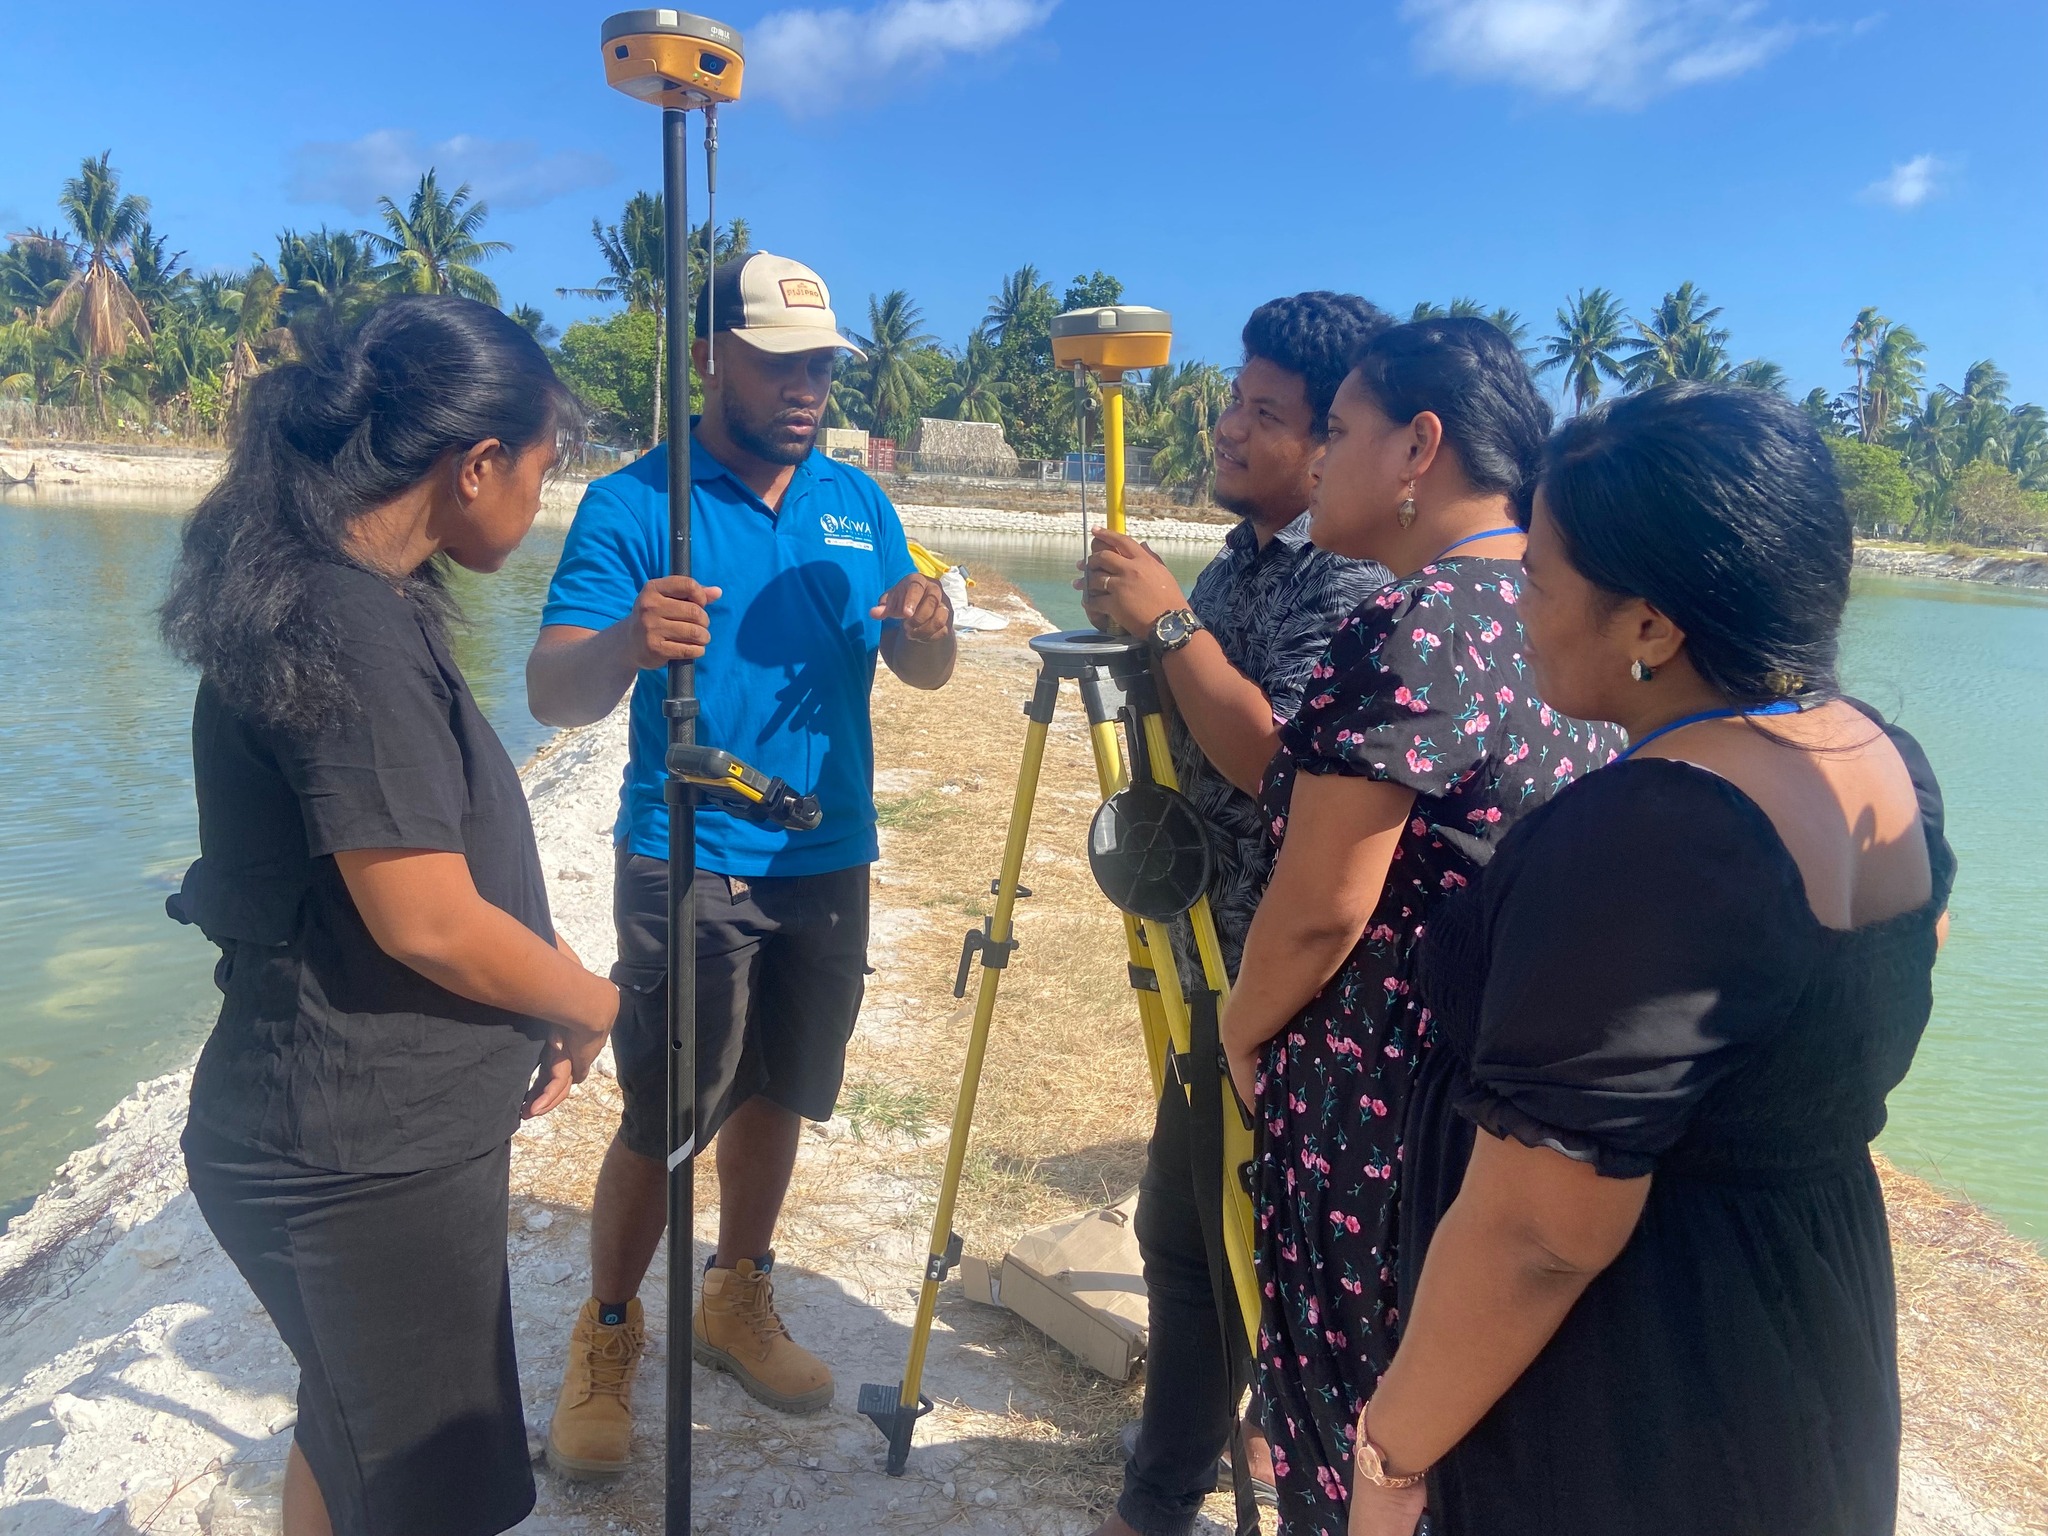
1973	1348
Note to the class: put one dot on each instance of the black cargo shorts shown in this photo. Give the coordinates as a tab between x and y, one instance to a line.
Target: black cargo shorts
781	966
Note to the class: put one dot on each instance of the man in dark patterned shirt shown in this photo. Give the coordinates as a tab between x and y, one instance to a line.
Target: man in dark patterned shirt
1237	657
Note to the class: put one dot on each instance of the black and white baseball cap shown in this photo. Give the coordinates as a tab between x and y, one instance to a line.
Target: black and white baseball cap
772	303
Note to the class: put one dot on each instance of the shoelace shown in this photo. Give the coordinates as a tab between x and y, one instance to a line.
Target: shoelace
613	1362
757	1308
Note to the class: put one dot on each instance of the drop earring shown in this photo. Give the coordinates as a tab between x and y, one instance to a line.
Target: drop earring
1639	672
1407	512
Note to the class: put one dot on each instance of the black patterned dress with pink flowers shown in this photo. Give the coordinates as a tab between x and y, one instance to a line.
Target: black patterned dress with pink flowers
1425	686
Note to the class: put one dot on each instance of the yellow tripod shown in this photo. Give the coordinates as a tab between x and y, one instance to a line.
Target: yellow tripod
1147	848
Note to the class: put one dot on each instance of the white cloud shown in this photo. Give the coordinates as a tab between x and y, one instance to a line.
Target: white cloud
508	173
812	61
1911	182
1613	53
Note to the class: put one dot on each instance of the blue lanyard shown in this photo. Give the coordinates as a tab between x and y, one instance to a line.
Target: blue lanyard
1781	707
1473	538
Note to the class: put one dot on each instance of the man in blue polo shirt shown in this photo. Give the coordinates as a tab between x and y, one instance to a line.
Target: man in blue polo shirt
807	578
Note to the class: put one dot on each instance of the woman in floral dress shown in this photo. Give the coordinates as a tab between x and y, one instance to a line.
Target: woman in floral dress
1418	748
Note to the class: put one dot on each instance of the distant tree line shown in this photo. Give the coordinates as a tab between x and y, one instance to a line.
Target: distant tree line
99	315
1919	462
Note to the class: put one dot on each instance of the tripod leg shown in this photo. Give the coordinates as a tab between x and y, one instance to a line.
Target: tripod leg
1239	1222
896	1411
1146	977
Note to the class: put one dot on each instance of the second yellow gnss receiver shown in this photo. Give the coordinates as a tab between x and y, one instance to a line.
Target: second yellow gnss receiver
672	58
1113	338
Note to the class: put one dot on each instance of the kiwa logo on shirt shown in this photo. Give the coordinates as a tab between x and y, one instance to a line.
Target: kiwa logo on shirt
848	530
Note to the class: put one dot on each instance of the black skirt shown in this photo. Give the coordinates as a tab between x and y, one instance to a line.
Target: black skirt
393	1293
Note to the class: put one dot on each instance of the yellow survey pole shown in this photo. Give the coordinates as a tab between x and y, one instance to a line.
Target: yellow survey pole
1113	447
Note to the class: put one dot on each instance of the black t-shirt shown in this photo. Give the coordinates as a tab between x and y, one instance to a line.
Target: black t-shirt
328	1051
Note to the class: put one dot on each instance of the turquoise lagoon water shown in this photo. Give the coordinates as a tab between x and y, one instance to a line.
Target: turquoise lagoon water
98	989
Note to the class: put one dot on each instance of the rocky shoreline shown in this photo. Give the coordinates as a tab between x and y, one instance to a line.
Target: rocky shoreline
1999	570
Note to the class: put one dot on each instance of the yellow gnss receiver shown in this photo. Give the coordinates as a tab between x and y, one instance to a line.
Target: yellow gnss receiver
1113	338
673	59
1108	341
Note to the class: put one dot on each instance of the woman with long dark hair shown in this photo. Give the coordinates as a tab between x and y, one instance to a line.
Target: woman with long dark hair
1655	1294
1420	743
395	994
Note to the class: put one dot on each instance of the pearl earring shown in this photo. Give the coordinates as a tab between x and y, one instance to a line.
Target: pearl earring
1639	672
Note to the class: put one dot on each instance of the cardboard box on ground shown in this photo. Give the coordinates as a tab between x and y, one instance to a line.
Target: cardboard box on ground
1079	1282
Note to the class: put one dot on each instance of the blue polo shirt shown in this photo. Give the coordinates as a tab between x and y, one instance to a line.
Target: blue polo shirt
784	683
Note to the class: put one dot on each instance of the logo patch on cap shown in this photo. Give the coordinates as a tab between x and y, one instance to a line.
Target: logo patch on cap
802	293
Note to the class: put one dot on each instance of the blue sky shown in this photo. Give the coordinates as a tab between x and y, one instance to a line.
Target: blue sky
1796	158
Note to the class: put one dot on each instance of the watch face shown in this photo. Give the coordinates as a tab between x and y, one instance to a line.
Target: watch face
1171	629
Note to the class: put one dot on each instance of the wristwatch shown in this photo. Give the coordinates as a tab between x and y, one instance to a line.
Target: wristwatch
1372	1461
1171	631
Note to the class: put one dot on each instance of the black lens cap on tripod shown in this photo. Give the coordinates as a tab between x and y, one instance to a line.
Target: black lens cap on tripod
1149	851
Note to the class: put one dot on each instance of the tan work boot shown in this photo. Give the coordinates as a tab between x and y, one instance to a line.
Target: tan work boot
592	1431
737	1330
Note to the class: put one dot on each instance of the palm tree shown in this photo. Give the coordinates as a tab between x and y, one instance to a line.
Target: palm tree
328	274
104	315
1678	341
1702	358
154	273
1589	328
1195	394
1863	334
535	324
432	247
33	271
1929	436
1427	311
1023	292
895	388
636	261
1826	413
2026	448
254	301
734	241
187	349
1510	324
976	392
1760	373
1892	384
1986	419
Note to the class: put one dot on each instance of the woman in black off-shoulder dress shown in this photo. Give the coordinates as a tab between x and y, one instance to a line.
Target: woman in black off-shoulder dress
1695	975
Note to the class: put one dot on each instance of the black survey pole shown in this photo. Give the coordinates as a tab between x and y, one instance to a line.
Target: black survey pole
682	839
